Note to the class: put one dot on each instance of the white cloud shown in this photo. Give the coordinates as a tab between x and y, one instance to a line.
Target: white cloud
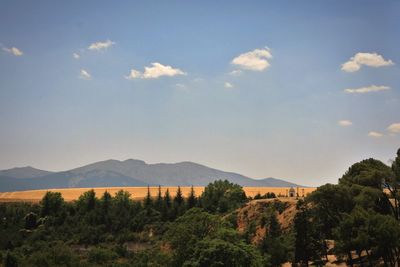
236	73
134	74
155	71
13	50
254	60
345	123
375	134
84	74
228	85
76	55
368	59
101	45
394	128
367	89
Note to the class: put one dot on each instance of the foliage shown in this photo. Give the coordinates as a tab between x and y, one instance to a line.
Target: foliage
217	252
222	196
361	214
52	203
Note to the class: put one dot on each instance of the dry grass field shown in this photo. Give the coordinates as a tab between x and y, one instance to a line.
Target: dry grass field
70	194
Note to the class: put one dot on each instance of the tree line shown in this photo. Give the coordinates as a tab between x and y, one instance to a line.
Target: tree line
357	220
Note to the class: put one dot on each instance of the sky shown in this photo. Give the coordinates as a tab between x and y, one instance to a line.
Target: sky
297	90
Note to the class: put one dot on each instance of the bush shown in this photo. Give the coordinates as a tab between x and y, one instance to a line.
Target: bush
101	255
10	260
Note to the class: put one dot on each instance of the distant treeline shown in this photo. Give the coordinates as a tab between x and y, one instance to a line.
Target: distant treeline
360	214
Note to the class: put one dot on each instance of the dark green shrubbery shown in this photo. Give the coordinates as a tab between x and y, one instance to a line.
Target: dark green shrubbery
361	214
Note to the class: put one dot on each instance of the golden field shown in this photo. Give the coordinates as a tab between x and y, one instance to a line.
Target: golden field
70	194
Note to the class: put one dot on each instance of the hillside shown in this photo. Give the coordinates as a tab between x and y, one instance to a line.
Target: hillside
114	173
254	211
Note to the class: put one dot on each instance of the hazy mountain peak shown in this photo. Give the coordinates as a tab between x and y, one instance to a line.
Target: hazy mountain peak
24	172
130	172
134	161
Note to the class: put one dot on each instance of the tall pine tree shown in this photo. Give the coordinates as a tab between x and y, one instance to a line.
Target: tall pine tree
192	199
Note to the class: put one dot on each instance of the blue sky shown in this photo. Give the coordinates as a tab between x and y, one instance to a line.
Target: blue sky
283	113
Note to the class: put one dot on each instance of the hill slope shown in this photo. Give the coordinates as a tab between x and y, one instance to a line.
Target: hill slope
127	173
24	172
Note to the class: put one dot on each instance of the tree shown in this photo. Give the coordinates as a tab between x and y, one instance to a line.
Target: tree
178	207
122	205
368	172
217	252
178	199
222	196
191	200
165	212
384	237
393	185
159	200
184	233
302	234
374	174
329	204
148	201
274	245
106	205
371	232
51	203
106	202
167	199
87	201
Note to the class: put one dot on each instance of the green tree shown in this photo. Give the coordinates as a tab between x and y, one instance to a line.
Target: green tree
369	172
178	199
330	203
148	201
217	252
106	202
87	201
166	207
106	206
184	233
393	185
159	200
274	244
192	199
222	196
178	204
51	203
121	210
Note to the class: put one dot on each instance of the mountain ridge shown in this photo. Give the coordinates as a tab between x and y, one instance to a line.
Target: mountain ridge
130	172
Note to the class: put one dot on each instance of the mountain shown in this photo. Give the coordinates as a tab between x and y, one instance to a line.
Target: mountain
24	172
130	172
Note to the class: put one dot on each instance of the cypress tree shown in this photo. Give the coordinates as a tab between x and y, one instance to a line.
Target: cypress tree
148	200
165	213
159	201
167	199
178	200
192	200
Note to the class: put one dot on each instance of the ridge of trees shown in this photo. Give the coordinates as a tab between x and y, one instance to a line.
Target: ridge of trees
357	220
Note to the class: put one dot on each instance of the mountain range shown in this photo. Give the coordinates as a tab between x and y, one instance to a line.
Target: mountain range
115	173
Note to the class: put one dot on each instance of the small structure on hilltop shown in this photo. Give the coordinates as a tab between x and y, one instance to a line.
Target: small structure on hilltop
292	192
